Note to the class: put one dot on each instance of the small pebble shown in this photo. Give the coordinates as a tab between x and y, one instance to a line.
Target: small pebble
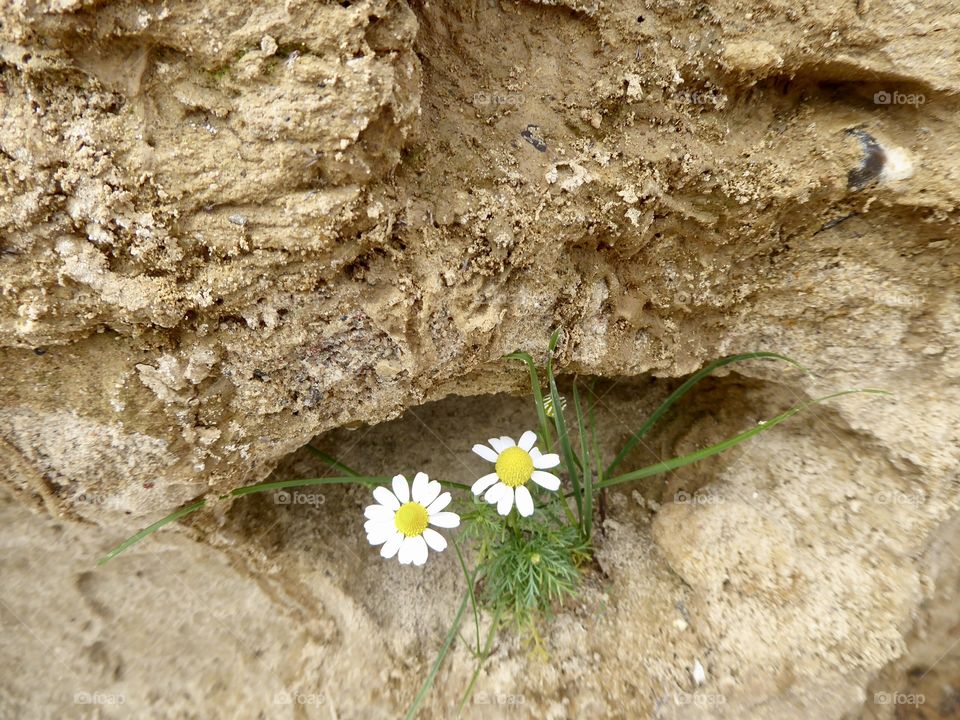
699	674
268	46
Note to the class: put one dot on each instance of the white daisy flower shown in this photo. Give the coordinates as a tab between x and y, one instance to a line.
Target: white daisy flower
399	520
515	465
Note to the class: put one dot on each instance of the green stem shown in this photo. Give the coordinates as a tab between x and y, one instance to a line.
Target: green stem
470	581
444	649
484	657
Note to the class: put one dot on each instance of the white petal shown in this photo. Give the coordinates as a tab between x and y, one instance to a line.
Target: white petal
524	501
392	544
485	452
419	551
445	520
545	479
507	441
372	525
386	498
408	550
378	512
439	504
505	502
545	462
401	489
483	483
495	491
435	540
527	440
499	445
379	534
419	487
430	494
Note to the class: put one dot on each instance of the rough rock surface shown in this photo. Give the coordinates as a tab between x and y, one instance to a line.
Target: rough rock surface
226	228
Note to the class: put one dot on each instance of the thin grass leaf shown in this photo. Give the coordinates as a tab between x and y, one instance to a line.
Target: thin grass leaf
470	581
693	457
595	453
586	520
494	626
282	484
238	492
150	529
563	439
346	470
527	359
684	389
445	648
332	461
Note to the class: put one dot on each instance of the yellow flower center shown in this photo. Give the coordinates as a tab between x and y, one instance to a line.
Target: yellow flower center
514	467
411	519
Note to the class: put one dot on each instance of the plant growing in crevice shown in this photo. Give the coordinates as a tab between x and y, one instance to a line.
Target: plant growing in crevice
526	528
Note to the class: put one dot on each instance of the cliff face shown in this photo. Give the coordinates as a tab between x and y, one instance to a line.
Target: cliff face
229	227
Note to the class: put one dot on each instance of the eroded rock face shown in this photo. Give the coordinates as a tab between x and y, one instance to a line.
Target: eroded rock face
227	227
208	204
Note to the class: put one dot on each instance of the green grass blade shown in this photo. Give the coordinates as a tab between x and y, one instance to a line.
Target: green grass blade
280	485
238	492
494	626
527	359
563	439
346	470
693	457
332	461
597	459
451	484
684	389
149	530
470	581
586	521
428	683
